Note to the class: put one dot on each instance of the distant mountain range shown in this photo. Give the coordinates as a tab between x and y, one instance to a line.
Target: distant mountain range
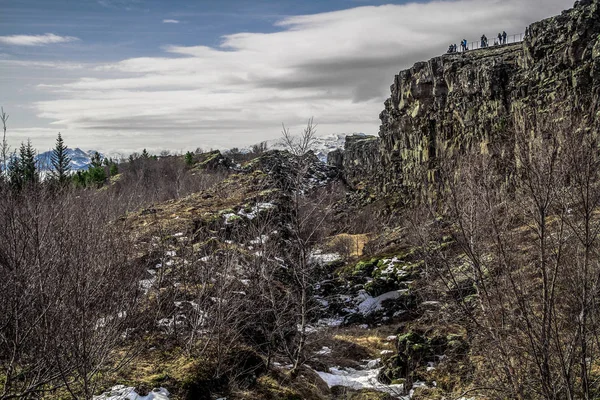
322	145
80	160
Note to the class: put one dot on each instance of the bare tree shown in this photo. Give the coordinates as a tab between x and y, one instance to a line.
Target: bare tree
299	145
524	268
259	148
5	149
308	220
69	293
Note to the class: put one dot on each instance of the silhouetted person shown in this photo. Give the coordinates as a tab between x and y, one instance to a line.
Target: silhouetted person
504	35
483	41
465	44
499	38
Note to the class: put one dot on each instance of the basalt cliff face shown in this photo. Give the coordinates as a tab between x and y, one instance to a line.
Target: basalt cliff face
359	161
477	99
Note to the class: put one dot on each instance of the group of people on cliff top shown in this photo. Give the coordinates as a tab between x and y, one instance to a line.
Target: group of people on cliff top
464	45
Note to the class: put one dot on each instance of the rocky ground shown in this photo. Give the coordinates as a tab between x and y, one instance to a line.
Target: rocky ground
360	343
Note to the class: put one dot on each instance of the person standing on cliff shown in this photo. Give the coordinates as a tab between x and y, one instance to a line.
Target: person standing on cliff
483	41
465	45
499	38
504	35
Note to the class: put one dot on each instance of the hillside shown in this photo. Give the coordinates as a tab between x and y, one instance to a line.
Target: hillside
454	256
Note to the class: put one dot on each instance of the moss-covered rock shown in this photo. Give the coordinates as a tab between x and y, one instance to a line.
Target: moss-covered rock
416	350
475	101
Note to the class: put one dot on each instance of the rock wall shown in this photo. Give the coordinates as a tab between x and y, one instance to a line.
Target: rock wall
359	162
476	99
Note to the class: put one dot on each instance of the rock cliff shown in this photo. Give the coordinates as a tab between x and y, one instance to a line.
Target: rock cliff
477	99
359	161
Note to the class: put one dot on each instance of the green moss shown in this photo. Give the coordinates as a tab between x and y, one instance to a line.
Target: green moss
409	337
210	157
365	268
233	218
268	192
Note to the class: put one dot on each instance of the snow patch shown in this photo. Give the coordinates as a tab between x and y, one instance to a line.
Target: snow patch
371	304
256	209
318	257
324	351
122	392
359	379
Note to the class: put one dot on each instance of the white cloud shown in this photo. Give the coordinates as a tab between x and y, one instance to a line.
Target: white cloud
170	21
335	66
29	64
35	40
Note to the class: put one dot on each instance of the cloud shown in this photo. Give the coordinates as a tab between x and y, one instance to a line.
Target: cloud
35	40
170	21
335	66
116	4
29	64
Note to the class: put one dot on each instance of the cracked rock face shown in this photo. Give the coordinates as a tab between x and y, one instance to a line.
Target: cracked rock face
477	99
359	162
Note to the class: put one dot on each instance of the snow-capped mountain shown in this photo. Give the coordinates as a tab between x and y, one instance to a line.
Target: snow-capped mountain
80	160
322	145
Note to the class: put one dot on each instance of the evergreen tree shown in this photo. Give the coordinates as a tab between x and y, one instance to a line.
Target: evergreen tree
189	158
15	173
145	155
96	176
22	169
80	178
96	160
60	161
114	169
28	163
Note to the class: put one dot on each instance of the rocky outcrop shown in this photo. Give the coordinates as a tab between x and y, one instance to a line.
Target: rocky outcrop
359	161
478	99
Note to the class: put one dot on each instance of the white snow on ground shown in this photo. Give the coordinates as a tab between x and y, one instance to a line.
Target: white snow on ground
318	257
262	239
146	284
325	323
324	351
256	209
229	218
359	379
170	323
122	392
371	304
324	303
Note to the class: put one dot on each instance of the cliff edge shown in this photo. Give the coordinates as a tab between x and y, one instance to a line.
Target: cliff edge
477	99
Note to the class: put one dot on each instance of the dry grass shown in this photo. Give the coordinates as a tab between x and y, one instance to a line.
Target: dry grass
356	242
374	340
182	215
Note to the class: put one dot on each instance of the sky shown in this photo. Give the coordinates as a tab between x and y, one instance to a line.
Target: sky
122	75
